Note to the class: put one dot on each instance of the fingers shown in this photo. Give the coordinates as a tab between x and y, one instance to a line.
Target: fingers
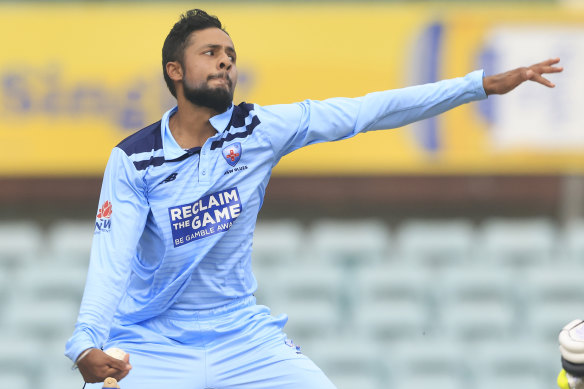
533	75
547	66
556	69
97	366
542	80
115	373
119	368
549	62
534	72
103	374
120	364
107	371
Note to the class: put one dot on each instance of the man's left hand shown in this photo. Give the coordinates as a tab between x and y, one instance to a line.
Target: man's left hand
502	83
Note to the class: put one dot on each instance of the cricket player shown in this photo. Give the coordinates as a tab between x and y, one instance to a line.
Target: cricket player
571	340
170	278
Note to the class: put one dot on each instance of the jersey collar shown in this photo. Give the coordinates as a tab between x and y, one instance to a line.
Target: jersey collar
171	148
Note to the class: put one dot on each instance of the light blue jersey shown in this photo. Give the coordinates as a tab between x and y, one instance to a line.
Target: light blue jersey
174	228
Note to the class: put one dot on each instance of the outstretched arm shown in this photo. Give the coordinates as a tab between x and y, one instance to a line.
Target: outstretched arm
502	83
292	126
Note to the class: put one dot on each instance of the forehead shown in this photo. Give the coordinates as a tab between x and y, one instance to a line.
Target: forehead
209	36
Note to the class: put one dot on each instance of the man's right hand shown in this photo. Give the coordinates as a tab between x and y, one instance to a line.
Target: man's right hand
502	83
96	366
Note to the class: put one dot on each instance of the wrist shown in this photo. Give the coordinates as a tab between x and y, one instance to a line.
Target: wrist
487	85
81	356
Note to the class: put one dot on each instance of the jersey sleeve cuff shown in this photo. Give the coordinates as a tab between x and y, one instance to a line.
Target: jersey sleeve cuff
78	343
476	79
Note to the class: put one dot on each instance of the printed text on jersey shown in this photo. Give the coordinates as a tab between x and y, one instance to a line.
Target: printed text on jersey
207	216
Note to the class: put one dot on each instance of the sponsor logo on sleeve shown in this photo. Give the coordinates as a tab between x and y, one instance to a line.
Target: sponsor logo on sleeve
207	216
103	221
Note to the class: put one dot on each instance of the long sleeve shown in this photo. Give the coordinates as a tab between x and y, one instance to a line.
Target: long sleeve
120	222
308	122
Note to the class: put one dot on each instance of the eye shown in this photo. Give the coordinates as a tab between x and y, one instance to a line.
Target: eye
208	52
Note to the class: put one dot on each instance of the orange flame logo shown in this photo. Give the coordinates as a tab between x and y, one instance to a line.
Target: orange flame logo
105	211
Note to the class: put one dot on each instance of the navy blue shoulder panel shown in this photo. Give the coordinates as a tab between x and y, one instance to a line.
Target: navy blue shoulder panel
147	139
240	113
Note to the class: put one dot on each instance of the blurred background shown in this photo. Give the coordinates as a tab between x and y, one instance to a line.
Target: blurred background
446	254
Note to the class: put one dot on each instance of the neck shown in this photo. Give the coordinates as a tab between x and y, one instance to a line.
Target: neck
190	125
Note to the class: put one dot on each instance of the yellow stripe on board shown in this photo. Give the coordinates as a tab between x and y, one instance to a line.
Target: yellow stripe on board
75	79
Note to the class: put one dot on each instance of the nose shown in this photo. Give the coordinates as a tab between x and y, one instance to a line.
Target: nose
225	62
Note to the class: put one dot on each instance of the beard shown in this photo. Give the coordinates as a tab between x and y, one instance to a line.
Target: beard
218	99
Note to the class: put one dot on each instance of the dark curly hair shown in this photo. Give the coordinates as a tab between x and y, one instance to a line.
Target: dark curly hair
178	38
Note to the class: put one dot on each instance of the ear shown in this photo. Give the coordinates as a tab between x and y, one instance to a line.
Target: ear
174	70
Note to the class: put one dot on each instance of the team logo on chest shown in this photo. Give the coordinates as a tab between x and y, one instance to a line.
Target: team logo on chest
232	153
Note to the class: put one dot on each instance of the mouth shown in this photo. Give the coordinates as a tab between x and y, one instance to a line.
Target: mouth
222	78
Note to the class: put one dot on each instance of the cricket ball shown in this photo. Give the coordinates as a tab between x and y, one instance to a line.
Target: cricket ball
115	352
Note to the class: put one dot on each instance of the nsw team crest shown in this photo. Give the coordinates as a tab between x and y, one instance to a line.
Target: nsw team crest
232	153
